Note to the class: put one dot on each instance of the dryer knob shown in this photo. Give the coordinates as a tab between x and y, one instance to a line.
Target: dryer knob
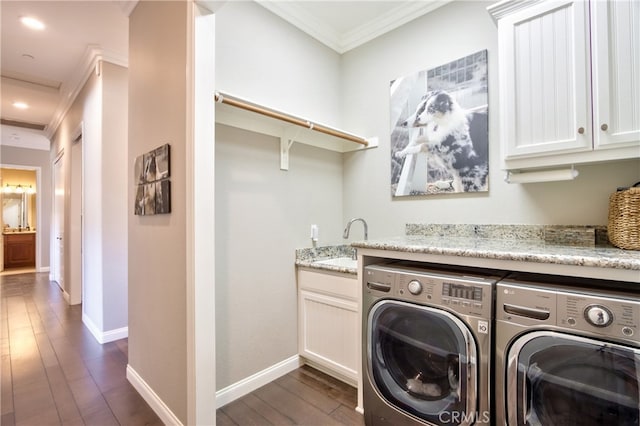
598	315
414	287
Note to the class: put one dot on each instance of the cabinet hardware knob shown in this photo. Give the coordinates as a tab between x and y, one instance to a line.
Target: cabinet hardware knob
581	130
604	127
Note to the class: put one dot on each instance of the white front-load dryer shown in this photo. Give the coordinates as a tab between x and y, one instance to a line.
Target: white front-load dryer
566	355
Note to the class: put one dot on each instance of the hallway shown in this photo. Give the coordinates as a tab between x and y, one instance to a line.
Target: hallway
53	370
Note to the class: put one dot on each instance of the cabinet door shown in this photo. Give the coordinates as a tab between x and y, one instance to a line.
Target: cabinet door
328	332
544	72
20	250
616	67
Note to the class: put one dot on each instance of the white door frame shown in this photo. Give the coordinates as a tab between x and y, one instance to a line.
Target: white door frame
76	242
38	171
55	249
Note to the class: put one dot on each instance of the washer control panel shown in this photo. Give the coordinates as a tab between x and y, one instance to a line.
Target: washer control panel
468	295
414	287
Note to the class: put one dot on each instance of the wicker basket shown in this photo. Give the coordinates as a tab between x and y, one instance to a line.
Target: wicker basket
624	218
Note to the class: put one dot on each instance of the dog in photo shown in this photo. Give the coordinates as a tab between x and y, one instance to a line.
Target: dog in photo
447	134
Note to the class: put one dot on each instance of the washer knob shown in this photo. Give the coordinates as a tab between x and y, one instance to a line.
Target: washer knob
598	315
414	287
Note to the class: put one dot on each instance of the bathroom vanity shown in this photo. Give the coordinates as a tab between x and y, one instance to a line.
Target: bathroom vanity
19	249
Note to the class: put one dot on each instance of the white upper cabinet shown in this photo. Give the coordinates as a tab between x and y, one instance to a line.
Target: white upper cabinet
615	28
544	75
569	81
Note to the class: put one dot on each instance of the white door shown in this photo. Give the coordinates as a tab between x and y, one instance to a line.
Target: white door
544	65
616	62
58	222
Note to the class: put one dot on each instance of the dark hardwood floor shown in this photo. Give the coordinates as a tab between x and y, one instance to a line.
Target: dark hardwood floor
53	372
303	397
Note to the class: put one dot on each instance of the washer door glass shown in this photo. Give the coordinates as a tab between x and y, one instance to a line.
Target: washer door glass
422	361
559	379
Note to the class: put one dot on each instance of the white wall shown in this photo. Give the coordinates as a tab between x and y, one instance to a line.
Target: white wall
100	112
262	213
92	307
262	58
450	32
114	200
157	266
171	265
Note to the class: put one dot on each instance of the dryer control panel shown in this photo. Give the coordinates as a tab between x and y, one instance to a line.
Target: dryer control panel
603	313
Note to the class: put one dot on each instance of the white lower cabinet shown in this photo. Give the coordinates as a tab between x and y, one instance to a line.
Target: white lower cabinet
329	322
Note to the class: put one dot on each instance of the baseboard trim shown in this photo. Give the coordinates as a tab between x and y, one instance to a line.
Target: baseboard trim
45	269
154	401
331	372
255	381
104	336
113	335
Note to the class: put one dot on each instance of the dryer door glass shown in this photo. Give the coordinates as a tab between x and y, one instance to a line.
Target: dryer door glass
568	380
422	361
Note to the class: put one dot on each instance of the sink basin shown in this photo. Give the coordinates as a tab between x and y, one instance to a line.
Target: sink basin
341	262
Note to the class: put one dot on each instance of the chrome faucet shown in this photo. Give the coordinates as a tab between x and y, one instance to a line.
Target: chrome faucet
348	227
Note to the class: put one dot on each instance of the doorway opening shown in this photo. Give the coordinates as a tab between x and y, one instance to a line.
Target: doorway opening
20	220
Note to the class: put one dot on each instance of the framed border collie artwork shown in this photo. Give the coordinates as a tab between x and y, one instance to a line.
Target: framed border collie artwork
439	129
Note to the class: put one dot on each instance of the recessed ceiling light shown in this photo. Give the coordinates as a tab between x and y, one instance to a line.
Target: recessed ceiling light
20	105
32	23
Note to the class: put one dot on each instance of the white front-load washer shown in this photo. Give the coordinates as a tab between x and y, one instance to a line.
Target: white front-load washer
426	345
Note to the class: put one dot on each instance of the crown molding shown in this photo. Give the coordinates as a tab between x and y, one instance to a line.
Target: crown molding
507	7
397	17
296	15
304	21
127	6
211	5
70	89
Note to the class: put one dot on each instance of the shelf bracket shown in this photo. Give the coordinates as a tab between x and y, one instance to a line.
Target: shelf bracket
286	141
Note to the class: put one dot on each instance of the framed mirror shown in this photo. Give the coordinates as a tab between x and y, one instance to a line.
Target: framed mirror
16	210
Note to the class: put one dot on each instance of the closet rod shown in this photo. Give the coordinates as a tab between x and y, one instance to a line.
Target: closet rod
225	99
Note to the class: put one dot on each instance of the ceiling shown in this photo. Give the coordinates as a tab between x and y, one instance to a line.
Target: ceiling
46	68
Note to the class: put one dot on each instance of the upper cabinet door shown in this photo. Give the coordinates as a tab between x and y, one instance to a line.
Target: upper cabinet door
616	68
545	94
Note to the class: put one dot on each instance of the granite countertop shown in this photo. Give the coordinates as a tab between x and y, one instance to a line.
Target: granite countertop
603	256
567	246
572	245
17	232
309	257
